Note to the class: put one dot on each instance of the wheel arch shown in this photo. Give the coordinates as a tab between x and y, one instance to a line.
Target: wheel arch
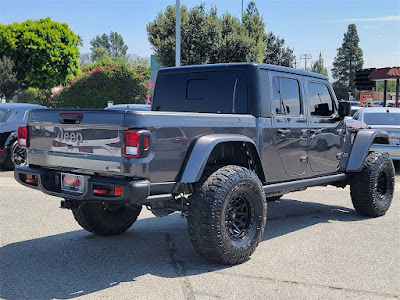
361	147
208	149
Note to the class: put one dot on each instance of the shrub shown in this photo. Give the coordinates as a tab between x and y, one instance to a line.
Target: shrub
44	97
106	61
28	95
103	83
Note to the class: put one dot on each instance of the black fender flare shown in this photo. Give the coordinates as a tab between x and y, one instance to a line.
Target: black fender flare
197	160
361	147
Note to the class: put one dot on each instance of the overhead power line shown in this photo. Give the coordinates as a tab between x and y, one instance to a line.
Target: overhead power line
306	58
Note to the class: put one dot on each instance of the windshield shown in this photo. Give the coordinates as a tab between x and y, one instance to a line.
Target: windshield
383	118
3	114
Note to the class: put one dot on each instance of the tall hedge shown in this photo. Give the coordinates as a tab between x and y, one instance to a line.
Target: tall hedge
93	89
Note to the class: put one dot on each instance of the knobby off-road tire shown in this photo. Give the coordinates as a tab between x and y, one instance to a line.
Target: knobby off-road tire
227	214
372	189
102	220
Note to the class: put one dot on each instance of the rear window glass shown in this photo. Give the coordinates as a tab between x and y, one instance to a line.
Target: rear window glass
207	92
3	114
286	96
382	118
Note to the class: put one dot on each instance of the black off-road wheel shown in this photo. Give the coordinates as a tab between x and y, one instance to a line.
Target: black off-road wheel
16	157
227	214
372	189
104	219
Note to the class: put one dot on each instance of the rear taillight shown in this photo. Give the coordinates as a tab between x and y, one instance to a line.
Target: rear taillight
131	143
146	143
136	143
22	136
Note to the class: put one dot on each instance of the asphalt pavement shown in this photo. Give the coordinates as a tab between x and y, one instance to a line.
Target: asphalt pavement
315	247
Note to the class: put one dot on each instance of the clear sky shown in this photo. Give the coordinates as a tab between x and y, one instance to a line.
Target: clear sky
308	26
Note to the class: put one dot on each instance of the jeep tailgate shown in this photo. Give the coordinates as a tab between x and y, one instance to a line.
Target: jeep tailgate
89	141
98	140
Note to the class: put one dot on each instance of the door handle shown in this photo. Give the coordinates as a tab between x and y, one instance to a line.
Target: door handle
284	131
316	131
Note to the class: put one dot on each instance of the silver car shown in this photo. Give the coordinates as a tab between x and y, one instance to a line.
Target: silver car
387	119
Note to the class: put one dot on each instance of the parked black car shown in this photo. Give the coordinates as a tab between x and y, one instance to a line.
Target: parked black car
11	116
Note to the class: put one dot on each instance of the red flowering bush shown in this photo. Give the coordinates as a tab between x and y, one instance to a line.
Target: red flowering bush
95	87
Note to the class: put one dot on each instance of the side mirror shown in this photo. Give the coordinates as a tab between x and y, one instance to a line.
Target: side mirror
344	109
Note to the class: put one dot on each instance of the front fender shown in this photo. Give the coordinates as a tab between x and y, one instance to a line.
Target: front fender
201	151
361	147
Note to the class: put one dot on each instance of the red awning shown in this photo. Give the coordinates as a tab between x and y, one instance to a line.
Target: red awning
385	74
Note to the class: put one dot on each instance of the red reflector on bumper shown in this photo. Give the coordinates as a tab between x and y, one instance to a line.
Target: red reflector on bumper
118	191
100	192
30	179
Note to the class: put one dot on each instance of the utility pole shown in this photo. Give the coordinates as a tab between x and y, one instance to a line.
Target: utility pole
178	34
306	58
296	62
242	11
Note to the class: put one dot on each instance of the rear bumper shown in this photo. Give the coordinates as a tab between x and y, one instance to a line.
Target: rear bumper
393	151
134	191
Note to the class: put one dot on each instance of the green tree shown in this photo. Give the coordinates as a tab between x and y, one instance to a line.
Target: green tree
8	78
254	27
275	53
113	45
99	54
341	91
45	52
318	66
207	38
349	58
28	95
236	45
101	41
200	35
390	87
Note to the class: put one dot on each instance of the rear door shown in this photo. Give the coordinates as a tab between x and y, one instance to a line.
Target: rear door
326	131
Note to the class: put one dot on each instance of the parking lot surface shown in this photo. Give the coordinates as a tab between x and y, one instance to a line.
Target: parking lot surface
315	247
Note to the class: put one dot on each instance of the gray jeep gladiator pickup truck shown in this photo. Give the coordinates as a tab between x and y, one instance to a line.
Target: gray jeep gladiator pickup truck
219	141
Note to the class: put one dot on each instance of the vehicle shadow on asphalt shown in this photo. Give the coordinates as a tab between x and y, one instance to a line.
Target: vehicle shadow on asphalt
286	215
78	263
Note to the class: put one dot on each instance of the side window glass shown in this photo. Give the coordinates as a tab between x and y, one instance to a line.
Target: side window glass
320	101
276	95
286	96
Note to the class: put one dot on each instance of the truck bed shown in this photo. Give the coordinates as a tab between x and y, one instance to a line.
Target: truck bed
94	145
